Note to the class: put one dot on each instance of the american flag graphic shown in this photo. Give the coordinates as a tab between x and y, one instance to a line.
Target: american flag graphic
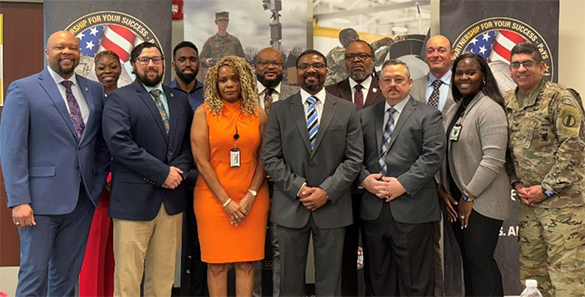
116	38
495	45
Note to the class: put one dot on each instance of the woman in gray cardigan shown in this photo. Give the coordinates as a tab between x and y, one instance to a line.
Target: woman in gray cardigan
474	186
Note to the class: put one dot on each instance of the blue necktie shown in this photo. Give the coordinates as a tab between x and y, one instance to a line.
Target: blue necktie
312	120
388	128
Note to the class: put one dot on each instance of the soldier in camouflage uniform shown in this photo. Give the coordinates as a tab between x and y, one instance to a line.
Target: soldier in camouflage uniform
546	168
336	57
221	44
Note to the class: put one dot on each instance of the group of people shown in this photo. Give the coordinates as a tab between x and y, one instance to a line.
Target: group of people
374	154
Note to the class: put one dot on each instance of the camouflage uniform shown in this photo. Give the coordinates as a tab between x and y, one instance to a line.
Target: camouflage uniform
336	70
217	47
547	148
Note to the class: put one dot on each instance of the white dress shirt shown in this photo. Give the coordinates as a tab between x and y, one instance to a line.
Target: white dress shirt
444	89
83	107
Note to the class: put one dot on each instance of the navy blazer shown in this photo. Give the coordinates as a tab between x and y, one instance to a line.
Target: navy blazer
143	152
43	162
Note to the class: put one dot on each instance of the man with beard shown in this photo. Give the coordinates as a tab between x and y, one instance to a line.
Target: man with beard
146	125
312	150
194	271
55	164
269	65
361	88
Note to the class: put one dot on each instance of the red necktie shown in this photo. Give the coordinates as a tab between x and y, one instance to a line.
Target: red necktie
359	97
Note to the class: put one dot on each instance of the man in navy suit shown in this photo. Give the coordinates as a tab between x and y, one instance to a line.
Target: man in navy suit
55	164
146	126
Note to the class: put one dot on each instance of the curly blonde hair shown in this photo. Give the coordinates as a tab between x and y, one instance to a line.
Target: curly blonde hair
249	95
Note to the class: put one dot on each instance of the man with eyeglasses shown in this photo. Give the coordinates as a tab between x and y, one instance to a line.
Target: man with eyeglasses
546	167
269	68
361	88
193	270
55	164
146	126
312	149
404	144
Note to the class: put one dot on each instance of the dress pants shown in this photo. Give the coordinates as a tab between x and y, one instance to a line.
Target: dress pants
478	242
328	249
401	256
52	251
148	247
349	272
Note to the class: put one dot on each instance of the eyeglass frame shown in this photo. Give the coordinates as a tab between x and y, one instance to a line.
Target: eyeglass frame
268	63
360	56
145	62
316	66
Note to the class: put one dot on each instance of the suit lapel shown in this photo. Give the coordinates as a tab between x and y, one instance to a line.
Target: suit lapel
298	113
404	115
345	90
379	124
329	108
86	91
48	84
373	93
149	102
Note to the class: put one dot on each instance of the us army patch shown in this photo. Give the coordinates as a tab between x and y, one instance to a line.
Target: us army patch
570	121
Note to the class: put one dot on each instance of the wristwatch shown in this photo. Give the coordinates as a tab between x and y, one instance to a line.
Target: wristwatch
547	193
254	193
466	197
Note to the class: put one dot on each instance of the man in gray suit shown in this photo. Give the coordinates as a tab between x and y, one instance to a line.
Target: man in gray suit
404	143
312	149
269	65
435	87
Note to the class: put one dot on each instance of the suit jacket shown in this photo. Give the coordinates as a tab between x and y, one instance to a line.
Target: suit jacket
143	152
43	162
418	91
343	90
332	165
417	148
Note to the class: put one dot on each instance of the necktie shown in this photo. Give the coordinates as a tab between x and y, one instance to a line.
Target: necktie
74	110
156	93
268	99
434	99
312	120
359	97
388	128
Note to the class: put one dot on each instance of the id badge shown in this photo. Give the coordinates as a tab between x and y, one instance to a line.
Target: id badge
235	157
455	132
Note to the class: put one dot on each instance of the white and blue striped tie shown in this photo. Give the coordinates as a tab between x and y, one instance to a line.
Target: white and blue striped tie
312	120
388	128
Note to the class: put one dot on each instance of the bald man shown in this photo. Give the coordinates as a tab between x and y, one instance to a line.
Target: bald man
55	163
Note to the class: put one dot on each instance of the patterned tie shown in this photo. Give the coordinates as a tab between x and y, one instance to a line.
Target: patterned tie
434	99
388	128
359	97
312	120
268	99
156	93
74	110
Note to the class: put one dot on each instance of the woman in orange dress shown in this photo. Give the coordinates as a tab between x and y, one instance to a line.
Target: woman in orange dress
230	198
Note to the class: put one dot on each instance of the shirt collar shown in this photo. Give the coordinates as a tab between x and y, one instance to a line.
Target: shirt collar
320	96
446	79
262	88
148	89
399	106
59	79
366	83
175	85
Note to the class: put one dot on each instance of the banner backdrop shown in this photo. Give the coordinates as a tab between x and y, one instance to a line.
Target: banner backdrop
112	25
491	29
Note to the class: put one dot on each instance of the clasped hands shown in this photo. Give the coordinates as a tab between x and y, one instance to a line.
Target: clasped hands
238	211
312	197
387	188
174	178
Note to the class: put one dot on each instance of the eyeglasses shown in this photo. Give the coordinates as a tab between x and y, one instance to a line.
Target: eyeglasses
266	63
361	56
316	66
526	64
146	60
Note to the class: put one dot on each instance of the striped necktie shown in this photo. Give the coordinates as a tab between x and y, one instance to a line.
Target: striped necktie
388	128
156	94
312	120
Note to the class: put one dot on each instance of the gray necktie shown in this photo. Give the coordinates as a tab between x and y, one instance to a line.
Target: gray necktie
388	128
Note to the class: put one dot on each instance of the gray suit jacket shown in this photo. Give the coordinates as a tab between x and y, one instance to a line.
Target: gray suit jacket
417	148
333	165
418	91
